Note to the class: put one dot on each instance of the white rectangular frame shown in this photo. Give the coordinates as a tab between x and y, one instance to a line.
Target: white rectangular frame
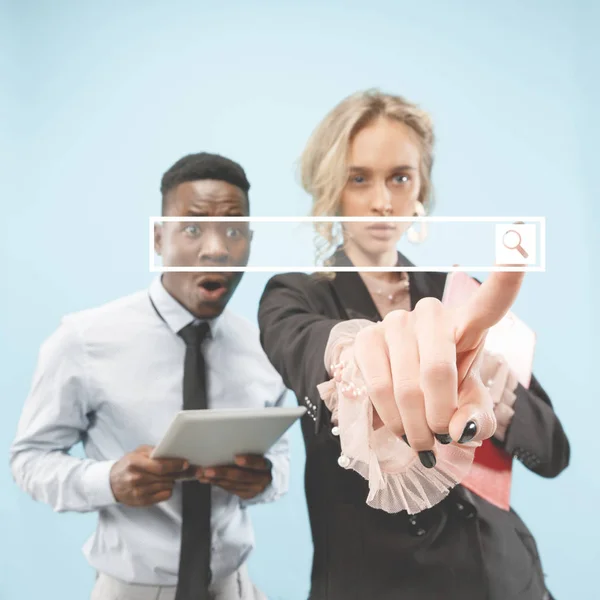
322	269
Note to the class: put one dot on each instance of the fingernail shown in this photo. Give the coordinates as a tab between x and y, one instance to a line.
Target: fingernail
427	459
469	433
240	460
443	438
209	473
405	439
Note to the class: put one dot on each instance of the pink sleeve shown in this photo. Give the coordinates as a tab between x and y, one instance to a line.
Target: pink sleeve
397	479
502	383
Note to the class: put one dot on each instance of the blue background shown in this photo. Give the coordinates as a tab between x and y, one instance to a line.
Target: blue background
101	97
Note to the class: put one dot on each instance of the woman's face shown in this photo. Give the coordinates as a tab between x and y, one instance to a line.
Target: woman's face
383	180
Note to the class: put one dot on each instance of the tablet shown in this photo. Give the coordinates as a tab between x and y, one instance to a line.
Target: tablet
213	437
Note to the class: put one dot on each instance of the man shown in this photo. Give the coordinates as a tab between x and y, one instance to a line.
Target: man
114	377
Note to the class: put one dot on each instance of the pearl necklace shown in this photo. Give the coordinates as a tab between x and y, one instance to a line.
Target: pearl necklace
398	288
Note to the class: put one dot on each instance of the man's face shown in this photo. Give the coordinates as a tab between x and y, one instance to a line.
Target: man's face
210	244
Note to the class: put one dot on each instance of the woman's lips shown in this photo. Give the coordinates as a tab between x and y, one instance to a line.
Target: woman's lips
382	231
382	226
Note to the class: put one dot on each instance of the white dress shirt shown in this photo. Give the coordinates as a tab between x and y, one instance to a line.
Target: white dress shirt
112	378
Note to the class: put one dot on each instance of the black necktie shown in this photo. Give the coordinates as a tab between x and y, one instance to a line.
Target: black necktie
194	561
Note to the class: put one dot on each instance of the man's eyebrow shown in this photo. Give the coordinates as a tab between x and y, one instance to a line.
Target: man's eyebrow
232	212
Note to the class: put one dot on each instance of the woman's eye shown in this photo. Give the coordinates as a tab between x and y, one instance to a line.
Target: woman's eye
357	179
401	178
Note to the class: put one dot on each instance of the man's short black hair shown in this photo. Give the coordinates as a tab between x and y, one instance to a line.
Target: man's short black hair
203	165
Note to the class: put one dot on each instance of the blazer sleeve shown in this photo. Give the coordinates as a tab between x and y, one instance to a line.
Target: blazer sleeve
535	435
294	332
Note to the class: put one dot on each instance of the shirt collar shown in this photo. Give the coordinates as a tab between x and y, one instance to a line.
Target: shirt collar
175	315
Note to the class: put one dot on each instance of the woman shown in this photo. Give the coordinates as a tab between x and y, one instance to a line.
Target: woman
393	382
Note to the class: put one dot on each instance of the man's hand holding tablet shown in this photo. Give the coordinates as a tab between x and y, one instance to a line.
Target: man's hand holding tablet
139	480
247	478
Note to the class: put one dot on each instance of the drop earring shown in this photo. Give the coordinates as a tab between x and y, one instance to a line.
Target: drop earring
414	235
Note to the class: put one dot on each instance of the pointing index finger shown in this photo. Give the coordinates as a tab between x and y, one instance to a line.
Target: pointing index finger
487	306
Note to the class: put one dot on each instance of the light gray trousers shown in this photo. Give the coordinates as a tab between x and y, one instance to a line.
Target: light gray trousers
237	586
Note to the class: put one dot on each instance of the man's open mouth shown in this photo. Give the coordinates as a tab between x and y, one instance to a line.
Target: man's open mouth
213	287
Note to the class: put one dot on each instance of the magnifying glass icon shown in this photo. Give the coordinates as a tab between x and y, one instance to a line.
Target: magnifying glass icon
512	240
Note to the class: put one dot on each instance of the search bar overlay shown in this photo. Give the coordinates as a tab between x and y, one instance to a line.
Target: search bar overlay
311	244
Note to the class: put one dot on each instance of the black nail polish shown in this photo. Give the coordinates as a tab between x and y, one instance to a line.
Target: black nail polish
427	459
443	438
469	433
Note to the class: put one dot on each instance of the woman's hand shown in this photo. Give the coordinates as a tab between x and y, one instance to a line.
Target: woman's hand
421	367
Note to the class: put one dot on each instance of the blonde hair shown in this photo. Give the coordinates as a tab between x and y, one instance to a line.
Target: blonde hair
323	164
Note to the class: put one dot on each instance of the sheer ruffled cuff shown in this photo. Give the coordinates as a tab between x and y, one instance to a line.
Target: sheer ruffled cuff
397	479
502	383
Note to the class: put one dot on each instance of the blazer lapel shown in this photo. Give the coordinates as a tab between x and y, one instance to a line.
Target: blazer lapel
424	284
352	294
355	299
